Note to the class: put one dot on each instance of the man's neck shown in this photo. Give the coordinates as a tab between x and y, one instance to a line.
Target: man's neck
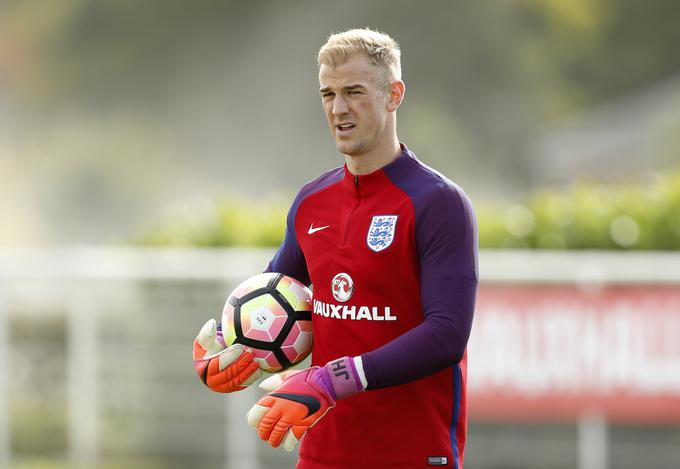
368	163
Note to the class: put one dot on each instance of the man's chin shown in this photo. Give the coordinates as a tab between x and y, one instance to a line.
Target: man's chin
347	148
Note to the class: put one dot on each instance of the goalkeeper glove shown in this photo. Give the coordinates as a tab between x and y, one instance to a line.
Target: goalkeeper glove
222	368
298	399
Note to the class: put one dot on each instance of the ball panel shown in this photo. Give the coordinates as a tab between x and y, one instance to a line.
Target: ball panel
303	344
262	318
298	348
267	361
305	325
277	326
257	325
248	308
253	283
228	330
297	295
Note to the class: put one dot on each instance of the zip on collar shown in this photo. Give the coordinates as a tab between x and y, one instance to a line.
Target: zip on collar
366	185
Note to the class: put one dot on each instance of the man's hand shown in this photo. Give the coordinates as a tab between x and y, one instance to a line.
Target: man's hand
222	368
298	399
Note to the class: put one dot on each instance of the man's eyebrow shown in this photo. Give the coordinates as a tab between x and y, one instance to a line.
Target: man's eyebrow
353	87
326	89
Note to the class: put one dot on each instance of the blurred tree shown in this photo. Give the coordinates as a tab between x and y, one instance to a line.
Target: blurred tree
477	53
233	82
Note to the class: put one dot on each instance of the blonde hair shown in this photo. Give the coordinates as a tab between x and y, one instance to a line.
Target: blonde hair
380	49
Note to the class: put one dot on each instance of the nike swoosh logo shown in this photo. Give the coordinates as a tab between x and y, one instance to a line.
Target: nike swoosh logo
312	403
313	230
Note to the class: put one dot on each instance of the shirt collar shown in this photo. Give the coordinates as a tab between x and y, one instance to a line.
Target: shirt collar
367	184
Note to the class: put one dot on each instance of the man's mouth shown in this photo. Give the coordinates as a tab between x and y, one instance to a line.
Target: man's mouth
344	127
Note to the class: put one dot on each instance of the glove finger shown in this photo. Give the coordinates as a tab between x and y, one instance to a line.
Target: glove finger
232	375
262	417
278	432
255	373
271	383
267	424
206	336
231	354
254	415
245	379
203	343
217	376
275	381
290	441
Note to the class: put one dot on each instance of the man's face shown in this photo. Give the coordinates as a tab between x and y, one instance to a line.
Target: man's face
355	105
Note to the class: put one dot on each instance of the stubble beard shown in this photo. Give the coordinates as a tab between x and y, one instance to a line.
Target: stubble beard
359	146
350	148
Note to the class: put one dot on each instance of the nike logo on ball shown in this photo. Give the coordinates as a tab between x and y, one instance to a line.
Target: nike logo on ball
313	405
313	230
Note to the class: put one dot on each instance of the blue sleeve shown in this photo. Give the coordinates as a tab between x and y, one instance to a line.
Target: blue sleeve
446	237
289	259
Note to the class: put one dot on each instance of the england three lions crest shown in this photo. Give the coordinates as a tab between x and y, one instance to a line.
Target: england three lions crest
381	232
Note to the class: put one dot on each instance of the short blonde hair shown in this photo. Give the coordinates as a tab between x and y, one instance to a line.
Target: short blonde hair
379	48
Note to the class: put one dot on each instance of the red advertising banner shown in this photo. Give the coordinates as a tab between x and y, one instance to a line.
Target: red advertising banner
557	352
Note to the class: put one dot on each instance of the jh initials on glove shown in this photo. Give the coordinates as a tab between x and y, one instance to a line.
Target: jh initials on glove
298	399
221	368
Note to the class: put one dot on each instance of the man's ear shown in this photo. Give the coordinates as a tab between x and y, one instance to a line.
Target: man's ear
396	95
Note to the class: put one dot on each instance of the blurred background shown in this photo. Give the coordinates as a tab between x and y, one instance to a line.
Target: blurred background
149	152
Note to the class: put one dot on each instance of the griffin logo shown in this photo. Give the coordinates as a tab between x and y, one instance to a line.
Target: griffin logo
342	287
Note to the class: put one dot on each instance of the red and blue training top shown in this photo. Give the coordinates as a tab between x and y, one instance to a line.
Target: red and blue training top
392	257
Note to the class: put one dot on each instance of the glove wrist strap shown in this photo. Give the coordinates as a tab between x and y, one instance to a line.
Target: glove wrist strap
341	378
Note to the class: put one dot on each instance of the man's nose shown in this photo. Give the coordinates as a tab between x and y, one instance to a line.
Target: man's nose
340	105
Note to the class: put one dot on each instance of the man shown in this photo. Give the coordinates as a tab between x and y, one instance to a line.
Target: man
390	248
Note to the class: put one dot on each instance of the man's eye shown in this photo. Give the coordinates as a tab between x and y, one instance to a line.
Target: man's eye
327	95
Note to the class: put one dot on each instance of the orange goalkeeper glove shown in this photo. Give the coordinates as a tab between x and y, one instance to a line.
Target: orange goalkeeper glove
298	399
222	368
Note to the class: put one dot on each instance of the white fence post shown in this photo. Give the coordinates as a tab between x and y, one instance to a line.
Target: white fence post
5	441
592	442
82	376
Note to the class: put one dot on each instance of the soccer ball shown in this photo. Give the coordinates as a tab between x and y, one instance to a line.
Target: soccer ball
271	314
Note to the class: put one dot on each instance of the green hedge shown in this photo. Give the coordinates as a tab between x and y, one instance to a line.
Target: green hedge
588	215
585	215
231	221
